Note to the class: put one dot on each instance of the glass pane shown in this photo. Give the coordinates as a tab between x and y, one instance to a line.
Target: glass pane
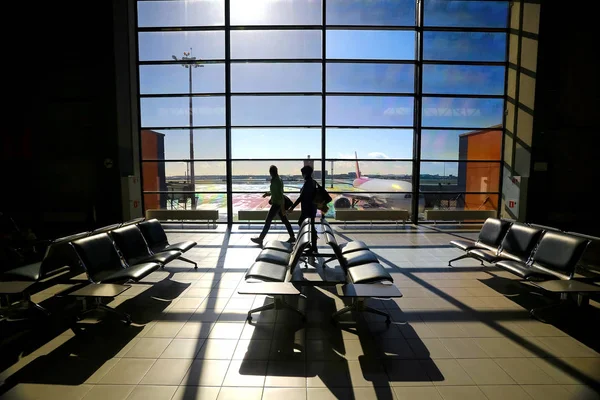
461	176
464	46
253	176
276	77
175	79
463	79
383	78
275	110
162	46
375	176
276	12
371	201
369	143
181	13
369	12
467	113
183	201
483	144
369	111
175	176
461	13
275	143
275	44
460	201
391	45
175	111
175	144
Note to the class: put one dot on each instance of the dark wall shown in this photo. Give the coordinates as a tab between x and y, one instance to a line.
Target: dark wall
566	122
53	173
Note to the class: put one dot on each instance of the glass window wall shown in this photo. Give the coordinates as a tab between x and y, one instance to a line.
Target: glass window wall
337	84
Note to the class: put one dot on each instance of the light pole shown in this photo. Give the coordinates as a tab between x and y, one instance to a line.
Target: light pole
189	62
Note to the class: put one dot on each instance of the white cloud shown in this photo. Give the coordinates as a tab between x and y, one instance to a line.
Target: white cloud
377	154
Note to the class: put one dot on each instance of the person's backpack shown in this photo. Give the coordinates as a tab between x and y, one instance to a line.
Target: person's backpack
321	198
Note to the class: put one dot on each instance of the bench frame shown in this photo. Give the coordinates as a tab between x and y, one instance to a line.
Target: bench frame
204	215
403	215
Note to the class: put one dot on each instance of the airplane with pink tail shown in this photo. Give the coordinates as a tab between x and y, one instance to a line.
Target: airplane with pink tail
393	193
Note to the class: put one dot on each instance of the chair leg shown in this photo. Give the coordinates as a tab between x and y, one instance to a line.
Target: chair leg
122	315
458	258
270	306
343	311
283	304
189	261
378	312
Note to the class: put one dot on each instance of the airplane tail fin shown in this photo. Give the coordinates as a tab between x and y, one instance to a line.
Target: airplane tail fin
357	167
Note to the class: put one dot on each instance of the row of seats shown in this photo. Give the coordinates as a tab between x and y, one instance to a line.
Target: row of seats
278	262
529	251
114	254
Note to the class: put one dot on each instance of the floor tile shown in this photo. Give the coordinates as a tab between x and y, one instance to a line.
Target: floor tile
417	393
278	393
246	373
286	374
112	392
485	372
444	372
236	393
196	393
167	372
503	392
548	392
524	371
147	392
461	393
148	348
217	349
206	373
127	371
183	348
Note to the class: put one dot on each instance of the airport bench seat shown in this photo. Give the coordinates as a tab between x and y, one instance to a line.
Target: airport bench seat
347	247
132	245
157	240
489	238
102	263
262	271
369	273
282	246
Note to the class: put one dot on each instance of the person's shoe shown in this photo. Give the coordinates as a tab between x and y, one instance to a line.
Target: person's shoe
258	241
291	240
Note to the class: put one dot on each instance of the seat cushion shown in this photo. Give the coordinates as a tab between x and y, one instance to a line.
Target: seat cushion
274	256
360	257
29	272
134	272
279	246
268	272
369	273
484	255
464	244
522	270
181	246
164	257
355	245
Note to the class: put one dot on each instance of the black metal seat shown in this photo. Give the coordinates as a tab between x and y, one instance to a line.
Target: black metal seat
102	263
517	245
369	273
60	261
286	246
489	238
274	256
158	242
133	247
347	247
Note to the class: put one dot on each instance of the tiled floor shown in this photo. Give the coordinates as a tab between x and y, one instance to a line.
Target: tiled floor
458	333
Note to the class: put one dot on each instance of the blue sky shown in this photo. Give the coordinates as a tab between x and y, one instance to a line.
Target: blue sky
301	111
